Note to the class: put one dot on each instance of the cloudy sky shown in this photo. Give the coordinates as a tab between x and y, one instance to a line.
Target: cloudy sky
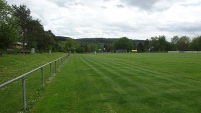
135	19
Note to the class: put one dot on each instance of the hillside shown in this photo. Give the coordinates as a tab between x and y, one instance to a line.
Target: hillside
96	40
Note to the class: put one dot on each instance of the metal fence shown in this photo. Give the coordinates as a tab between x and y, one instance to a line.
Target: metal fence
184	51
57	63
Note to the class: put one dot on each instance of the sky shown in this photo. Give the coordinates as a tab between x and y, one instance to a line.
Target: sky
135	19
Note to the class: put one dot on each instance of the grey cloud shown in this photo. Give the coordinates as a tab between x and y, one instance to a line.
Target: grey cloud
120	6
55	19
142	4
78	4
181	27
67	4
80	18
121	27
59	3
191	27
106	0
149	5
196	4
103	7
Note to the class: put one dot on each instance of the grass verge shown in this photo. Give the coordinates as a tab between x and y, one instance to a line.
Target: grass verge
13	65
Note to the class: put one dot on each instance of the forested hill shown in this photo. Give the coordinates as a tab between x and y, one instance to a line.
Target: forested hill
61	38
95	40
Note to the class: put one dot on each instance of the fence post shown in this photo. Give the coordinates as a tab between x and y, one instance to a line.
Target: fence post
50	68
55	66
24	93
42	73
60	61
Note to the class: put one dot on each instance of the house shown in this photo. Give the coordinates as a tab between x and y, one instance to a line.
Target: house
19	45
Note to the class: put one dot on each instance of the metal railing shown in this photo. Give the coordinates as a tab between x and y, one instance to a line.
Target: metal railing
60	61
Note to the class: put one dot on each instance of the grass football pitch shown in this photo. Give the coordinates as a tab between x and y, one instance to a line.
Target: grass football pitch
125	83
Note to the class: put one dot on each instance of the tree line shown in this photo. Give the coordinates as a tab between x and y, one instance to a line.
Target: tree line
17	25
154	44
183	43
160	44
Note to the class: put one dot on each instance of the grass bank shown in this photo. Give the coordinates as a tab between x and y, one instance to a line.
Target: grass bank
13	65
125	83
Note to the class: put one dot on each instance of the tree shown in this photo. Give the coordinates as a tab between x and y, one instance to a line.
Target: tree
162	43
169	47
183	43
196	44
146	45
36	34
110	48
154	44
140	47
50	39
134	47
79	48
23	13
159	44
62	46
174	42
70	45
9	30
123	43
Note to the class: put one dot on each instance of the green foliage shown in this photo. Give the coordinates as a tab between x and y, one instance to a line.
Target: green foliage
36	35
9	30
33	32
140	47
23	13
6	12
97	40
154	44
174	41
79	48
70	45
108	47
8	35
183	43
50	40
123	43
196	44
160	44
61	44
146	45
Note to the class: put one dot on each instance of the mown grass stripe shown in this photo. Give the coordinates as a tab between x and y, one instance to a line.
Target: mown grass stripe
116	87
144	70
111	83
109	80
136	64
91	79
132	80
100	62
